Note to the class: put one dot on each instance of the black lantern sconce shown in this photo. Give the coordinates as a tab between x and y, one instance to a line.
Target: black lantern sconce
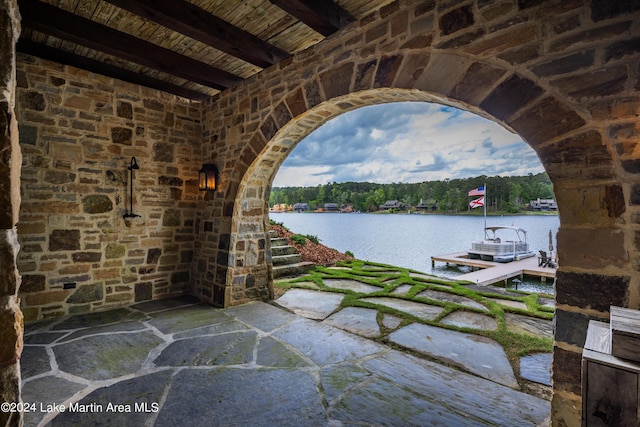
133	165
208	178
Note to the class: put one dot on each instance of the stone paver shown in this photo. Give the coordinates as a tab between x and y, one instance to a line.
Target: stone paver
361	321
100	357
180	363
45	391
529	325
547	302
537	368
241	397
479	399
474	353
509	303
401	290
448	297
390	322
423	311
351	285
466	319
305	335
310	304
226	349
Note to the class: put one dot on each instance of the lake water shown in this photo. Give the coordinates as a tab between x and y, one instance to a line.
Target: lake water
411	240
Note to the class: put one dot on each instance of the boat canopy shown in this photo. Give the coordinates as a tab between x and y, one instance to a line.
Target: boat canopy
520	232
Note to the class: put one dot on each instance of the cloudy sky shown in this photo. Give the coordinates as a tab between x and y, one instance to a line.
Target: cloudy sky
406	142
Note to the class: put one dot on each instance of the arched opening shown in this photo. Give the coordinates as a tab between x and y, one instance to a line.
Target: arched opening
428	156
264	169
385	297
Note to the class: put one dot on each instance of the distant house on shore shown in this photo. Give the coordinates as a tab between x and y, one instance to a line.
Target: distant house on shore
543	205
299	207
429	205
280	207
331	207
392	204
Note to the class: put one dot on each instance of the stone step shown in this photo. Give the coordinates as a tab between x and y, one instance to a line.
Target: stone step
291	269
282	250
277	241
286	259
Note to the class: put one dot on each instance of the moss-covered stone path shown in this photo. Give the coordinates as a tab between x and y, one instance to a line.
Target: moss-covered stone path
502	335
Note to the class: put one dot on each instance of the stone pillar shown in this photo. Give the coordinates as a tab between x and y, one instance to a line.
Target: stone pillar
11	323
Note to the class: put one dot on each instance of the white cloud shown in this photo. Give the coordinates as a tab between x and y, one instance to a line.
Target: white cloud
406	142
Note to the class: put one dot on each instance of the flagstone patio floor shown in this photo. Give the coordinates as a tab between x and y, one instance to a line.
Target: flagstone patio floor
178	362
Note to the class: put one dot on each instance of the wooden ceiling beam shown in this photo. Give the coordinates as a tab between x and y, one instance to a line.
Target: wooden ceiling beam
324	16
190	20
56	55
67	26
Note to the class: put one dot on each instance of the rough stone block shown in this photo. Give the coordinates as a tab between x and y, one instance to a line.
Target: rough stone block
59	177
86	256
46	298
97	203
86	294
295	102
604	9
120	135
163	152
511	96
476	82
143	291
153	255
565	64
594	83
33	100
456	20
364	75
180	278
114	250
570	327
337	82
64	240
591	291
11	330
601	205
582	156
441	73
173	181
124	110
33	283
387	70
171	218
592	248
567	367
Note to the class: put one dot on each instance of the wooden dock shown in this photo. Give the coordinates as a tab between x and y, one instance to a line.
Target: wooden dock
493	272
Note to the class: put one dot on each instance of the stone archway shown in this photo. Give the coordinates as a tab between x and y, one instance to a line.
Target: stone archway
577	115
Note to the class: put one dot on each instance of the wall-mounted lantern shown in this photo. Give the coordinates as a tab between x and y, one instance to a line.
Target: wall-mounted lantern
133	165
208	178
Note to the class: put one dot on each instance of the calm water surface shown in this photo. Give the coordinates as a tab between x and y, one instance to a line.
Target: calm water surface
411	240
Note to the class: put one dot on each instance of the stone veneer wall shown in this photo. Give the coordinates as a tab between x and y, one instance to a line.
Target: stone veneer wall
11	321
78	132
562	74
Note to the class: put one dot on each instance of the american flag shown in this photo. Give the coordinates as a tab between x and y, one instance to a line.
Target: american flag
477	191
477	203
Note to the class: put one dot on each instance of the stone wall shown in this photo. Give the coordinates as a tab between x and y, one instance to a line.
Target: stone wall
11	321
78	133
563	74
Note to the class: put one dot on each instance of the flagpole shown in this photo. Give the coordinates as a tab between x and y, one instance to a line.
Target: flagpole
485	205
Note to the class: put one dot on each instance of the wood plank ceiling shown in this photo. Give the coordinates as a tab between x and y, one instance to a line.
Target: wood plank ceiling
193	49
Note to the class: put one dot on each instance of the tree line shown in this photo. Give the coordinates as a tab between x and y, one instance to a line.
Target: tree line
504	194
